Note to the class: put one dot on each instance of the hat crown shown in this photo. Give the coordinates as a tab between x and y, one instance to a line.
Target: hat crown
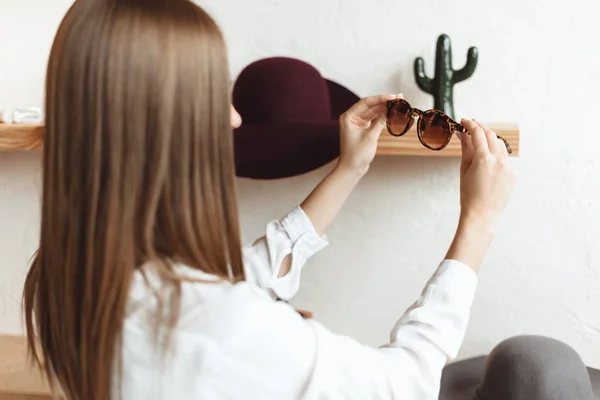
548	368
281	90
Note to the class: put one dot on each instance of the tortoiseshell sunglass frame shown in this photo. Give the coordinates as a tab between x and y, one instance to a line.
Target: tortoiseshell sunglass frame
415	113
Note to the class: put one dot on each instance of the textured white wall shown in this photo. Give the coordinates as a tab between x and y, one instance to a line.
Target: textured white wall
539	66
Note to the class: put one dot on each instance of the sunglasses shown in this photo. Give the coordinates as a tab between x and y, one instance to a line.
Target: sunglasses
434	128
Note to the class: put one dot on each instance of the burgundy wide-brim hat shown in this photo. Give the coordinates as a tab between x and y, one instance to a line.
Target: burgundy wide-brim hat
290	118
522	368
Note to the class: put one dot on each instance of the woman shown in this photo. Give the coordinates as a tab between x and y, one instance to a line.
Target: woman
140	288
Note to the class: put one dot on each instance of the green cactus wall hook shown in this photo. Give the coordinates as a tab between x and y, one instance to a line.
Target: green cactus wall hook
441	87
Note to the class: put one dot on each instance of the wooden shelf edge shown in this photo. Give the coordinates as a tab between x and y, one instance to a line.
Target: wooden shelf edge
409	144
18	137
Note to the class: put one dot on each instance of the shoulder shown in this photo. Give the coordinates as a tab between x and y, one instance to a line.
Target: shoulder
226	331
212	307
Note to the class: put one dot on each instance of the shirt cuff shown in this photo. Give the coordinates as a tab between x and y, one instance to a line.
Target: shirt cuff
305	239
456	277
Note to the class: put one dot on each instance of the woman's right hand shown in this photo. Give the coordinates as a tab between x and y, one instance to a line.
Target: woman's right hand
486	178
486	183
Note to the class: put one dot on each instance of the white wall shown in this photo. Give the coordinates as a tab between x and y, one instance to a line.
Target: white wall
539	66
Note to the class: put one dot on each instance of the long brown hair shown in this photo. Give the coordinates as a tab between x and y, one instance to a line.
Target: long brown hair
137	170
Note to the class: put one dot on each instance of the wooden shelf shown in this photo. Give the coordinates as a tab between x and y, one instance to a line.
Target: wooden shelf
409	144
14	137
30	137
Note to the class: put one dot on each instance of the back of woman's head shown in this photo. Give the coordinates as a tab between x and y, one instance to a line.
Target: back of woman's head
138	169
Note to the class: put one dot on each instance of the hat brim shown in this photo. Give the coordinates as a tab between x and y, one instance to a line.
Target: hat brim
341	99
284	150
461	379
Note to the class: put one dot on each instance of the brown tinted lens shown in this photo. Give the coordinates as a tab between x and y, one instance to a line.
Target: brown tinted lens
435	130
398	116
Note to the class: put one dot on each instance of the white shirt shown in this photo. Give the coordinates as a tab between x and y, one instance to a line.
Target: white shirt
235	341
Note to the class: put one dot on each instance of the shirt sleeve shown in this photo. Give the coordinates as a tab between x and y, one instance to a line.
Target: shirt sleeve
295	235
409	367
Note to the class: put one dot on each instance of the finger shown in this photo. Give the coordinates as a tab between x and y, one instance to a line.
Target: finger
380	110
491	137
503	148
466	144
478	138
374	112
364	104
377	125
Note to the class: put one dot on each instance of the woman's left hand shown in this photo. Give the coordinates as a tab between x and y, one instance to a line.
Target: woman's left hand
360	128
